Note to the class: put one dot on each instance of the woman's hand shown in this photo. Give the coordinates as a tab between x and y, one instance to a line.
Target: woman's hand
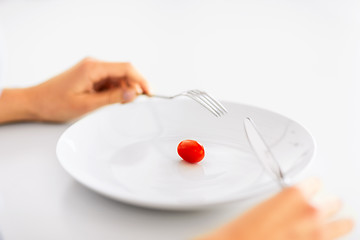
86	86
287	216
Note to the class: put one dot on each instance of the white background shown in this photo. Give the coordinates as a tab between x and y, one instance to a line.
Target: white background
296	57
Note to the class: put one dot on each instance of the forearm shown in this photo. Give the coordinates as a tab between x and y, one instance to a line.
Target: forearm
16	106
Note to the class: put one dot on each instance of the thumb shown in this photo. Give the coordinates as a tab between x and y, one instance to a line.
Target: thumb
116	95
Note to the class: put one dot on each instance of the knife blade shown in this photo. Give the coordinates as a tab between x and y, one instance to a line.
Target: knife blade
263	152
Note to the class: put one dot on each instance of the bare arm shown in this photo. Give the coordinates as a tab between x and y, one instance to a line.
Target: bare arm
15	105
86	86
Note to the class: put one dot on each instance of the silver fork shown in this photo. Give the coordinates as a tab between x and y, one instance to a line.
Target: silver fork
210	103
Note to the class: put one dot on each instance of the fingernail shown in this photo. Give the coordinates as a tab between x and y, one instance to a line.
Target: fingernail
128	95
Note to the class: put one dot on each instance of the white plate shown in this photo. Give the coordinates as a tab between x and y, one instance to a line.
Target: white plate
128	153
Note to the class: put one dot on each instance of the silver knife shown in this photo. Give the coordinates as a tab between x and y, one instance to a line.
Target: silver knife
263	152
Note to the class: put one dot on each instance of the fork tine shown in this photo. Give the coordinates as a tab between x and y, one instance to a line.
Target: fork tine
206	97
216	102
204	104
213	100
201	97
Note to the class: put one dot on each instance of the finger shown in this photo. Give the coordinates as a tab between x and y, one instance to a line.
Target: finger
103	85
128	95
309	187
299	195
116	95
119	70
329	207
295	201
134	86
286	208
338	228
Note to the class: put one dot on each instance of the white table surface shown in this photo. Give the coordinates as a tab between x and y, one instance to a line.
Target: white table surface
298	58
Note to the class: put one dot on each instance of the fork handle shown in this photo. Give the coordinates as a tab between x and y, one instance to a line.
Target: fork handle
159	96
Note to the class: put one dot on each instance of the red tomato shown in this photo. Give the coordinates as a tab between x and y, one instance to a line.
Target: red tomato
191	151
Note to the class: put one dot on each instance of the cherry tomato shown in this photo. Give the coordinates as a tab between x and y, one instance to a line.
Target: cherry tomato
191	151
